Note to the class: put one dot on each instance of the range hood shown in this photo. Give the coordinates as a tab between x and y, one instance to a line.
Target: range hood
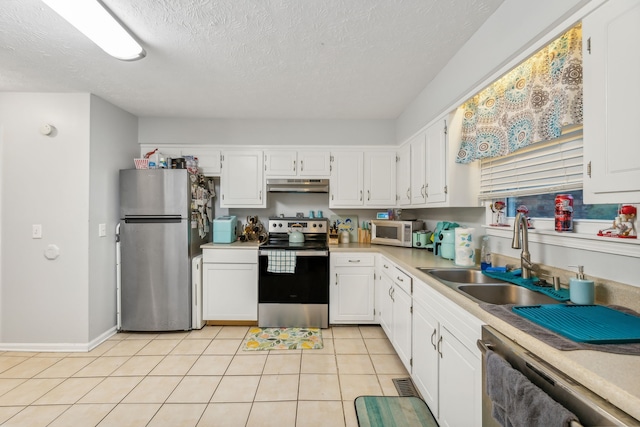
298	185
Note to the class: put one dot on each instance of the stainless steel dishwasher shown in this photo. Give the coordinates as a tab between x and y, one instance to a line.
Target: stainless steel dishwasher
591	409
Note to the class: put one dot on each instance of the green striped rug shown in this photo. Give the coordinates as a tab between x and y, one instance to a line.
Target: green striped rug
379	411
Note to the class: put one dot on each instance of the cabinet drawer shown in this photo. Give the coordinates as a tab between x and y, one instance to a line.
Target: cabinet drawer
402	279
232	256
354	260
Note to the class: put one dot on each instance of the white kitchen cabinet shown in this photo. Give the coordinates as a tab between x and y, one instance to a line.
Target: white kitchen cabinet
394	309
611	41
291	163
314	163
435	179
447	365
242	183
359	179
352	288
418	148
461	374
280	163
403	176
436	152
230	284
347	179
380	178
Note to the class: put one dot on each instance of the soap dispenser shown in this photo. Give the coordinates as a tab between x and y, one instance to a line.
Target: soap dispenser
581	290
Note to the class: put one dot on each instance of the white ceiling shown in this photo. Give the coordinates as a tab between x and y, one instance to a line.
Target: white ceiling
329	59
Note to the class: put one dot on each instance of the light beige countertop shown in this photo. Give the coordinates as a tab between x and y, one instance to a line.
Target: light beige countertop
235	245
614	377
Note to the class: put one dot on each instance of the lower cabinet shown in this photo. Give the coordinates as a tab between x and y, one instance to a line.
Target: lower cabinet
351	289
447	366
230	284
394	307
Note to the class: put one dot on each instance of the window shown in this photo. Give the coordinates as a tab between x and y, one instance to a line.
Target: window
543	206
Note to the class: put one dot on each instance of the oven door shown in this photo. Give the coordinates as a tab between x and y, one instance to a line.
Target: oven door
309	284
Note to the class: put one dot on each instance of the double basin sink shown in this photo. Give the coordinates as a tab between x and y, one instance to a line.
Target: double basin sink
484	289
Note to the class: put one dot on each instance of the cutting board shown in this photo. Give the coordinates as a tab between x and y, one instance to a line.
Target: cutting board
349	223
595	324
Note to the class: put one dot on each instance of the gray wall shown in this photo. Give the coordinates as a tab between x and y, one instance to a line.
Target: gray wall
515	26
161	130
114	135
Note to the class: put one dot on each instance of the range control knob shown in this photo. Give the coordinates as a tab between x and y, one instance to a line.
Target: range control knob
279	224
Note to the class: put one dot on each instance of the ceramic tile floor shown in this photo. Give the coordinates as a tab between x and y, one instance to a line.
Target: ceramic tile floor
198	378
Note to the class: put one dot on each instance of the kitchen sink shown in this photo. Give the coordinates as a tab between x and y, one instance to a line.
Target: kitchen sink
505	294
459	275
475	285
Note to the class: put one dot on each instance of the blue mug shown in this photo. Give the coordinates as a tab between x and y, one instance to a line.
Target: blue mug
320	214
311	215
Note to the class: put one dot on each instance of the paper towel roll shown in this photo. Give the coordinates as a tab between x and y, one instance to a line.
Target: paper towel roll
464	247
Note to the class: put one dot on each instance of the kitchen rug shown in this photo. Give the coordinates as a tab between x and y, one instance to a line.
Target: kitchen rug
384	411
283	339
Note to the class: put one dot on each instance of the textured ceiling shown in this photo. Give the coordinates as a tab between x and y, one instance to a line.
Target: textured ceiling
330	59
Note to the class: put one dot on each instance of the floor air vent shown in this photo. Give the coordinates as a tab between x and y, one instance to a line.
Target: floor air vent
405	387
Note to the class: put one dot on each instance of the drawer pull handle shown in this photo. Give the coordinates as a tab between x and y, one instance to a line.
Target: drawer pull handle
400	279
354	260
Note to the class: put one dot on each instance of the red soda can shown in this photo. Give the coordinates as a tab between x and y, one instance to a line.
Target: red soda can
564	212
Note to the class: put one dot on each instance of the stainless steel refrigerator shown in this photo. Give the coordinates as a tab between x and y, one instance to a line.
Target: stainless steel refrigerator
158	238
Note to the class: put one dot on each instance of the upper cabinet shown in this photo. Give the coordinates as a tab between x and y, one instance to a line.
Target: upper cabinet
363	179
427	173
611	41
291	163
242	182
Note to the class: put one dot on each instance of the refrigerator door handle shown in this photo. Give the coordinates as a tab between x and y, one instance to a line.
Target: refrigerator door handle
153	219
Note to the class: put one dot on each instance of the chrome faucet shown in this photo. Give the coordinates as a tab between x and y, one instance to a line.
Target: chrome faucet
520	223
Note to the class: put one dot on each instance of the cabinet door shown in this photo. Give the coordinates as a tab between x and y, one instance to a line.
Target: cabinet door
314	163
424	371
384	304
352	295
418	176
380	178
611	37
230	291
403	175
242	182
460	384
401	325
280	163
208	159
436	150
347	179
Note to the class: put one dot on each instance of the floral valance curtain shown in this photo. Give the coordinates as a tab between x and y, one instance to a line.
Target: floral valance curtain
529	104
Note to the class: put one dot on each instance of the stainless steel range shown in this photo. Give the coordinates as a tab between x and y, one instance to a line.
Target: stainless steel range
293	282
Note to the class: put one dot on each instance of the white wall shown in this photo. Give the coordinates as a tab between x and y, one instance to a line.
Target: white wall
114	134
161	130
44	181
515	26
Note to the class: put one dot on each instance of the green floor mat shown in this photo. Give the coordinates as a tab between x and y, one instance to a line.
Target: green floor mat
386	411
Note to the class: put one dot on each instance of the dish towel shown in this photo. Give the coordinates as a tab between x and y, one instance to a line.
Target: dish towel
281	261
517	401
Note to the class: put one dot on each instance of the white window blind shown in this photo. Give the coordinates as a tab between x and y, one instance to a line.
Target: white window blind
546	167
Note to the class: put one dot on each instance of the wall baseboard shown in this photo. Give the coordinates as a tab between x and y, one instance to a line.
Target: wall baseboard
59	347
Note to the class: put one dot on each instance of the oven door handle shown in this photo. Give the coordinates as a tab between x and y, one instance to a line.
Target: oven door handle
299	253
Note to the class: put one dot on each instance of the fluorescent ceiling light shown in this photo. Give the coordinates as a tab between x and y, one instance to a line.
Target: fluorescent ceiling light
97	23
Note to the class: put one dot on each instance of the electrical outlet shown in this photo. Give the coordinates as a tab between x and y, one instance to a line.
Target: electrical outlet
102	230
36	231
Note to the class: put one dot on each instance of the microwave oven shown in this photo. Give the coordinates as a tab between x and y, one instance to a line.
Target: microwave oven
394	233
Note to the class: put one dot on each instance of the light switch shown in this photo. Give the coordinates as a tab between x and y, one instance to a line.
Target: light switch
36	231
102	230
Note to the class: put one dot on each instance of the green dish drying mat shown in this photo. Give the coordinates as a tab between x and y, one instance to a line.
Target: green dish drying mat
516	279
386	411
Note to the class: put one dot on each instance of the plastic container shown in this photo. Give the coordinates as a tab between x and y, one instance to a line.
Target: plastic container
581	290
485	254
